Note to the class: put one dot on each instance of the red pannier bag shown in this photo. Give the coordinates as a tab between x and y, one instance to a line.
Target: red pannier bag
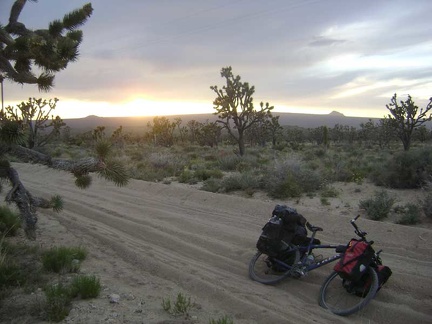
355	260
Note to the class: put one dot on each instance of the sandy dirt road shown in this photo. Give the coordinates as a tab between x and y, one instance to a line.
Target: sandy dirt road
150	241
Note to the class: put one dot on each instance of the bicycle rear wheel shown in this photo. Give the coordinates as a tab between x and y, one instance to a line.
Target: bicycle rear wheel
337	296
267	270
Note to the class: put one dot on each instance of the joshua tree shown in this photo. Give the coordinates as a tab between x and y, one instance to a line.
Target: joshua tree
51	50
235	109
48	50
403	118
34	116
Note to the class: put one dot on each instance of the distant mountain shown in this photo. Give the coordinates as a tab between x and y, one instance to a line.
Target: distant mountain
285	119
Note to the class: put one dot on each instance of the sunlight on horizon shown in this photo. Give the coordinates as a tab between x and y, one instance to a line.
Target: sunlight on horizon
71	109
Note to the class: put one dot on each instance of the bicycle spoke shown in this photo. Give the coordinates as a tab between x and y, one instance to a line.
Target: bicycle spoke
267	271
342	298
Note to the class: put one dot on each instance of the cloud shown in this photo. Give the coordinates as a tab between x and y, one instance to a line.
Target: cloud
327	54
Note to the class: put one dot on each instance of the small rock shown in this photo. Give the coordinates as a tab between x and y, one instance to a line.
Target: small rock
114	298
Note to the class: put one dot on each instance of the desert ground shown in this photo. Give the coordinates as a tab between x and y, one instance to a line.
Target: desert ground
151	241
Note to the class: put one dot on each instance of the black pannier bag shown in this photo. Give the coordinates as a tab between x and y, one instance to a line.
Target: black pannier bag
361	287
294	224
285	226
269	241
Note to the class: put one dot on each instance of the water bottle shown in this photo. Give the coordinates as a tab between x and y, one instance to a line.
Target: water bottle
310	259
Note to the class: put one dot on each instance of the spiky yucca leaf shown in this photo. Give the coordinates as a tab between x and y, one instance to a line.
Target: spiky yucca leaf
115	172
103	149
76	35
45	82
57	203
83	181
55	28
11	132
77	17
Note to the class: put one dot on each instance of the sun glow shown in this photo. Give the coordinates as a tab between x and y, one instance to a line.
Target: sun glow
67	109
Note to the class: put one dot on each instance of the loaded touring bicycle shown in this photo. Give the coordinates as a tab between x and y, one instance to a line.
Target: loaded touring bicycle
356	277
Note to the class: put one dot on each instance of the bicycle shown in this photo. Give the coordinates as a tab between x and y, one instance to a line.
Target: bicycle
338	295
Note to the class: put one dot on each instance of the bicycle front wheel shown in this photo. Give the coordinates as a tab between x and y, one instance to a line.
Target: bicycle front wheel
267	270
344	298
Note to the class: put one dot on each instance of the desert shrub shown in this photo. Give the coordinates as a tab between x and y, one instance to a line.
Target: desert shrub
408	169
229	162
192	177
223	320
85	286
187	176
290	178
329	192
180	306
171	164
324	201
63	259
58	301
343	167
241	181
9	221
232	182
144	171
204	174
14	265
289	187
136	156
10	275
212	185
410	215
379	207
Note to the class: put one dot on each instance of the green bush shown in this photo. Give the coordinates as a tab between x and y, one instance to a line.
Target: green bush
58	301
379	207
329	192
86	287
212	185
63	259
406	170
9	221
410	215
10	275
14	266
232	182
204	174
290	178
180	306
289	187
229	162
241	181
325	201
187	176
223	320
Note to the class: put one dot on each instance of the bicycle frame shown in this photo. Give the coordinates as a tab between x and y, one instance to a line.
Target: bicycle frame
306	250
323	261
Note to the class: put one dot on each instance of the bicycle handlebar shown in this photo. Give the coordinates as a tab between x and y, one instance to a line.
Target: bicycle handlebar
357	230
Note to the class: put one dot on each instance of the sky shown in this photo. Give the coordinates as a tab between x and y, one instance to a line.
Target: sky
160	57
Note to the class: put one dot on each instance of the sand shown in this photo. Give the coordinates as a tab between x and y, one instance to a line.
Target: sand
151	241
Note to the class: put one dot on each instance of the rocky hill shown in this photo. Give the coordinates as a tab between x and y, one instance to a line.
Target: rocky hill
285	119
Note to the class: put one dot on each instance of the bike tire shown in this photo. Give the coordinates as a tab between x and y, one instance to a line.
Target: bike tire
262	269
334	296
